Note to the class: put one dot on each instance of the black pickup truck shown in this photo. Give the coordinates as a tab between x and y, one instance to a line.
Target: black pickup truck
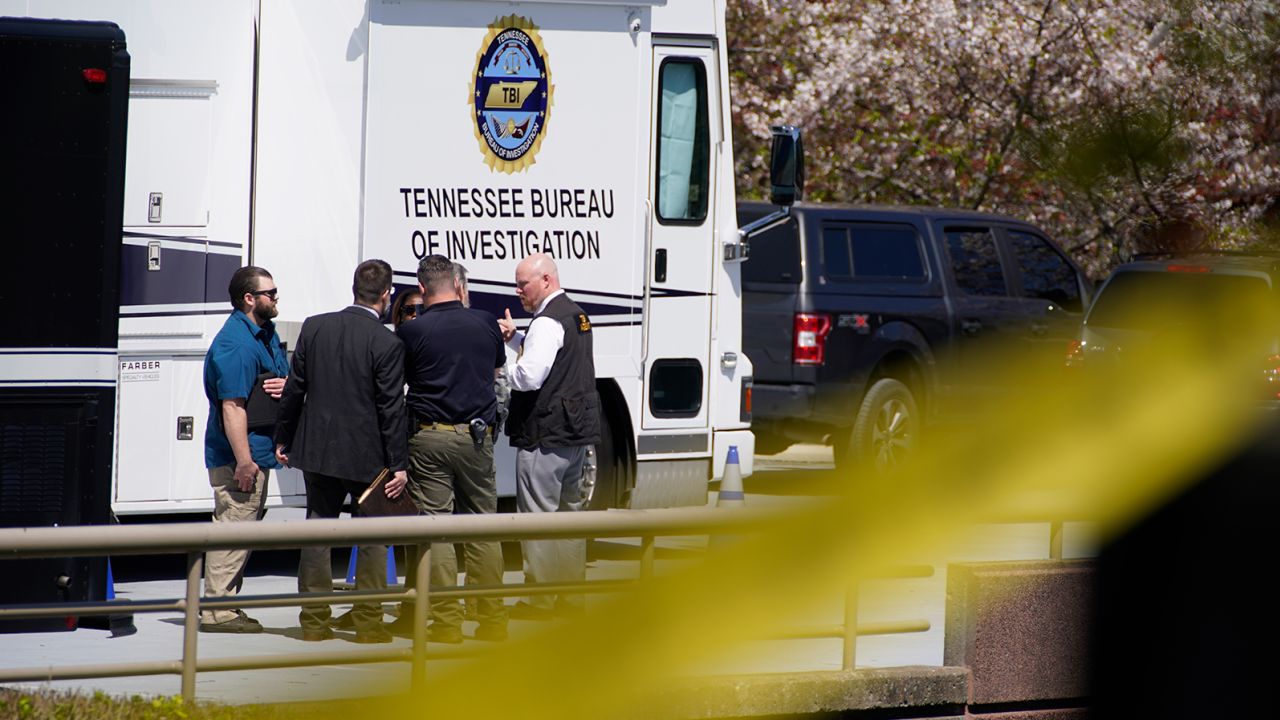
863	323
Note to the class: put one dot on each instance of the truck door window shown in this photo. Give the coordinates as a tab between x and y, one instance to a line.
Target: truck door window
1045	273
675	388
975	261
683	142
836	263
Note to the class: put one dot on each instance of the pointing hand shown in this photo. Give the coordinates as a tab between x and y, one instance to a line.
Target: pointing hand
507	325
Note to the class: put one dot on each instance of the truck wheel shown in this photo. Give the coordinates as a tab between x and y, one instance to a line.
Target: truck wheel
615	475
885	430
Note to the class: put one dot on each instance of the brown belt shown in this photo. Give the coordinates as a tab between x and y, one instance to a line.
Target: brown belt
464	428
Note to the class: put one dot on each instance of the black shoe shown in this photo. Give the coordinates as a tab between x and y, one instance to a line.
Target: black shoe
524	611
491	633
317	635
402	626
444	634
373	635
246	618
240	624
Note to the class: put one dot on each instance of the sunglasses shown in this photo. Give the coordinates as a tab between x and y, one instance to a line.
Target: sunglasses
272	293
414	310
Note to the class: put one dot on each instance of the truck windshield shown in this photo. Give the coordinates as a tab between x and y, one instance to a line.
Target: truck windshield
1141	300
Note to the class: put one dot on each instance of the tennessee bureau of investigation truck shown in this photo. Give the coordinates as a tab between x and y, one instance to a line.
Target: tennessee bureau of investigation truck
306	136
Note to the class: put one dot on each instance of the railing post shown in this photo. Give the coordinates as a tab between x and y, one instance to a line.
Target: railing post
850	648
646	557
1055	540
191	625
422	596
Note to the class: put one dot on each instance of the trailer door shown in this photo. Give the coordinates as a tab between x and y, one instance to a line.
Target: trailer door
680	253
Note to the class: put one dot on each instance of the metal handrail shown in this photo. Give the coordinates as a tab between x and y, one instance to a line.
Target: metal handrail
97	540
195	538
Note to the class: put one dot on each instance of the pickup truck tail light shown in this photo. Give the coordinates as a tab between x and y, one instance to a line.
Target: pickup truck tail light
809	341
1075	353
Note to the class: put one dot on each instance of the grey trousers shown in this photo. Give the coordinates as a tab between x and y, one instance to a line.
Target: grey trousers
447	471
549	480
224	569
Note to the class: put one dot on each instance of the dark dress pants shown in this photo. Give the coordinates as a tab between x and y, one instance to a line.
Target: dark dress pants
325	496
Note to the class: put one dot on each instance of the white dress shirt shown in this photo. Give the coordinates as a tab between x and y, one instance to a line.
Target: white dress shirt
544	339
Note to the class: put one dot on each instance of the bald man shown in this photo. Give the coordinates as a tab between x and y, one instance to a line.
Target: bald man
555	417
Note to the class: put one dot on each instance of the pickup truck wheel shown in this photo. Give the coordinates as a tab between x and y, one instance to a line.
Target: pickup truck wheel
885	430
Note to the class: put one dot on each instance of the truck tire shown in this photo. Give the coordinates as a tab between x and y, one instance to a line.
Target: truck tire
885	429
615	471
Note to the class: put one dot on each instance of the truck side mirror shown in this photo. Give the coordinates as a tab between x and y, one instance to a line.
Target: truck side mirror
786	166
786	178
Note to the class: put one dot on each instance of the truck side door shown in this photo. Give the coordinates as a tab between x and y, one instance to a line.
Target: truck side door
1051	293
988	322
681	247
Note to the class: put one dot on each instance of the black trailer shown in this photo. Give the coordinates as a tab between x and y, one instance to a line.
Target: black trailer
63	109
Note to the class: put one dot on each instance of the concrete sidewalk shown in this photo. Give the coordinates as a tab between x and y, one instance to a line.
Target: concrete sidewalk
159	638
770	663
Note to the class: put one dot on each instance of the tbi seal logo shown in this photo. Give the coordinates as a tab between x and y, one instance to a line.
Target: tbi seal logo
511	94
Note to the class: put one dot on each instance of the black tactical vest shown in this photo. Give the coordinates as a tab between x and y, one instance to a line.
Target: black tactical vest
565	412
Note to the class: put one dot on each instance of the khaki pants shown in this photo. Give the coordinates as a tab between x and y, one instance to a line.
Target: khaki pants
447	471
224	569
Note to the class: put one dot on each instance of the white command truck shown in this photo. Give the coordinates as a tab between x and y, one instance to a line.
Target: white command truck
304	136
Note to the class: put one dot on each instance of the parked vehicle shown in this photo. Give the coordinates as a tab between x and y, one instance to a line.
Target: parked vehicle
1192	300
863	322
60	197
304	137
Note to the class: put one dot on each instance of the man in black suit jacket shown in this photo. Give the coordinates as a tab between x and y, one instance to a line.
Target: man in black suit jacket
342	422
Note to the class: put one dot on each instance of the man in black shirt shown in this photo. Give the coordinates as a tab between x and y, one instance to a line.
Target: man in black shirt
451	355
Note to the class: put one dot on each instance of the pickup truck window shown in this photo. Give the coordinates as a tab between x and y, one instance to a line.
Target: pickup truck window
775	255
1045	273
683	142
975	261
872	252
835	253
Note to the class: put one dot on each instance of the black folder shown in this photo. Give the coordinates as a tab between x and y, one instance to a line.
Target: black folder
261	408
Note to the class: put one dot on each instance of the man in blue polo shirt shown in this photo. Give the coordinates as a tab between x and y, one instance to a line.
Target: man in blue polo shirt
238	458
